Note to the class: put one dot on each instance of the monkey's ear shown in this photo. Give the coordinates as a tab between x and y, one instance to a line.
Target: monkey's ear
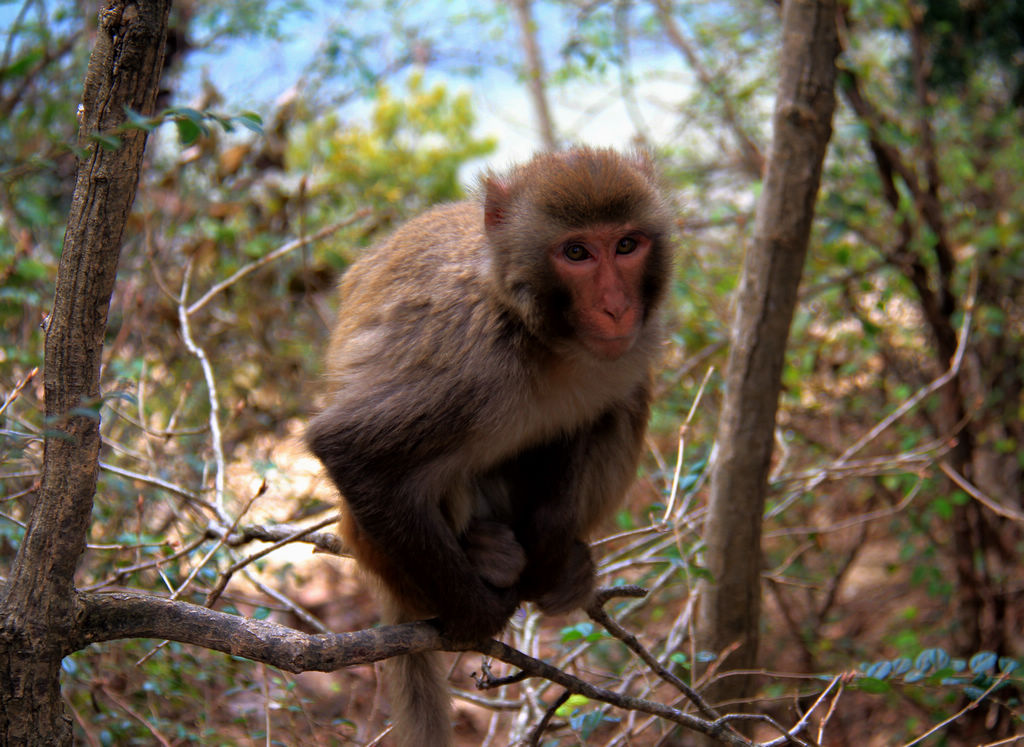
497	201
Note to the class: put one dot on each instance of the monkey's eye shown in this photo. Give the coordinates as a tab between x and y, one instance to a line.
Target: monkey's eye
626	245
576	252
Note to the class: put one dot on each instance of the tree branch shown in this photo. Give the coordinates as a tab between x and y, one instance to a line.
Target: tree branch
106	617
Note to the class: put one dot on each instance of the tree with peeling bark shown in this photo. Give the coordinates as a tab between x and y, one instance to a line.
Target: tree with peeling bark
729	605
39	608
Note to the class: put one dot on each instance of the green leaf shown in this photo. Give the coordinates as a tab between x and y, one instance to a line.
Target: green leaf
21	66
901	666
577	632
107	142
983	661
187	112
880	670
931	660
252	120
86	412
571	705
1008	665
871	685
138	121
188	131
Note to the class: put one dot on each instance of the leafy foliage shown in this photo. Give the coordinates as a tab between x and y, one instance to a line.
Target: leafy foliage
872	551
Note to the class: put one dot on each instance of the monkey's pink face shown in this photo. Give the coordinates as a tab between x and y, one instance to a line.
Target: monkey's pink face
603	268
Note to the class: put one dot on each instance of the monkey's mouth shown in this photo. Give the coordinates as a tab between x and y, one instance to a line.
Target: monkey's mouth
611	347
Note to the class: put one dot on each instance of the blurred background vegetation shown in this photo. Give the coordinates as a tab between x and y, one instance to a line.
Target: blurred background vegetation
893	533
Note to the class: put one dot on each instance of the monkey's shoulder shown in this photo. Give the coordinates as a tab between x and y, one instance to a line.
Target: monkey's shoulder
446	236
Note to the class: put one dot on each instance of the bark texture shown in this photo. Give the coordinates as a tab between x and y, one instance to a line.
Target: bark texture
37	606
802	125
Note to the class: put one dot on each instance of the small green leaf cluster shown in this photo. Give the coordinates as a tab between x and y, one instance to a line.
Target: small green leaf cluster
190	123
982	675
583	721
584	631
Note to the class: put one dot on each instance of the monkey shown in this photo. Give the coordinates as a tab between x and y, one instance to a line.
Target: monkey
488	389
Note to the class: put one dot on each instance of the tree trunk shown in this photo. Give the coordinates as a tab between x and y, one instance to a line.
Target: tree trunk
728	615
36	610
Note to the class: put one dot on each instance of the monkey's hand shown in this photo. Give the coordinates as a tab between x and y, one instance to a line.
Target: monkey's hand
572	586
481	613
493	550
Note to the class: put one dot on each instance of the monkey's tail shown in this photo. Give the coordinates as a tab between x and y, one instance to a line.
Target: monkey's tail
420	706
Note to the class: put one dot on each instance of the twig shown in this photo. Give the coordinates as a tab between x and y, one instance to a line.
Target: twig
216	442
980	497
828	714
597	613
682	441
290	605
22	383
135	715
225	577
788	737
546	719
537	668
272	256
158	483
969	707
954	369
802	723
282	533
128	570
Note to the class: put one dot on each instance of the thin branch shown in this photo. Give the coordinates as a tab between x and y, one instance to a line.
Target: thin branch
281	251
951	373
120	703
104	617
535	77
546	719
21	384
597	613
803	722
753	160
283	533
158	483
682	443
969	707
989	503
225	577
537	668
216	442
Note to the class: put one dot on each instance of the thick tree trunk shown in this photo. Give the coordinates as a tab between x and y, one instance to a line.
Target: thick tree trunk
729	606
36	610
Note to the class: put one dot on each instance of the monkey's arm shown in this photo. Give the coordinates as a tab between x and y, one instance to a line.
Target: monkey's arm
390	472
596	468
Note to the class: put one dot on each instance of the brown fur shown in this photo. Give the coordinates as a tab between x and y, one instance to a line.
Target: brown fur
478	425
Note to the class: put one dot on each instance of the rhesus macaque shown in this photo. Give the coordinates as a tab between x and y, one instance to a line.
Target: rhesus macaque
489	382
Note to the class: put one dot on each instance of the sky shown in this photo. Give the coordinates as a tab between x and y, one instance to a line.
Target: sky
261	71
252	73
